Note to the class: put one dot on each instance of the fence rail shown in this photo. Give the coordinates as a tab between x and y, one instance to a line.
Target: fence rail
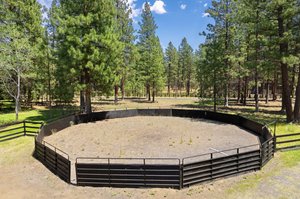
138	173
288	141
197	172
19	129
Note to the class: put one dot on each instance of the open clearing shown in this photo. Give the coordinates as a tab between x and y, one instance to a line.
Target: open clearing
150	137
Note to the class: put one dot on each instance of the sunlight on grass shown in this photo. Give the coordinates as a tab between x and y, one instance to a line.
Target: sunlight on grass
290	158
40	115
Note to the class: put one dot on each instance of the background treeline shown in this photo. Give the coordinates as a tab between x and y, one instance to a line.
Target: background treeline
252	48
84	49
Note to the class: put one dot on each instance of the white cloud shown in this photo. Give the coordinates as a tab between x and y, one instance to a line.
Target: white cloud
205	14
205	5
158	7
135	12
183	6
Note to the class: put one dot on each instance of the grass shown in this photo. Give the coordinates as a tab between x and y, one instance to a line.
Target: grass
37	115
285	160
41	115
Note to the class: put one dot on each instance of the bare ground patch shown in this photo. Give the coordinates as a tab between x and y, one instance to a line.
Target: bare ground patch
150	137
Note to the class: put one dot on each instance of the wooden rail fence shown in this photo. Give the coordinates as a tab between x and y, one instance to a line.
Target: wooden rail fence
19	129
287	141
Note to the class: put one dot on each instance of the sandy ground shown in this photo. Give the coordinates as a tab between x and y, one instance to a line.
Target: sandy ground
150	137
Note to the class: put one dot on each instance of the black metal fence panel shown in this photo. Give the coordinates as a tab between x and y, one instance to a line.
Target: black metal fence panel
214	168
250	125
129	175
188	113
55	162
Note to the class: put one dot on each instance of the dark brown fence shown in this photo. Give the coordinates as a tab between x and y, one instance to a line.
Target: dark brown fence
287	141
19	129
54	159
136	172
230	163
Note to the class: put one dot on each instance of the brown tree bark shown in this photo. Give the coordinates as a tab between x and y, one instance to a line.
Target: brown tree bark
153	93
245	91
267	92
88	90
148	91
239	91
116	94
123	88
283	48
274	88
297	102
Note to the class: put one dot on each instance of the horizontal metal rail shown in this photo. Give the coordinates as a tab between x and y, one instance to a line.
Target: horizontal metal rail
287	135
205	154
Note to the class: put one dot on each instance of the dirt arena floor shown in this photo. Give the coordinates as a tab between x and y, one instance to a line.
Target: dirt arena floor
150	137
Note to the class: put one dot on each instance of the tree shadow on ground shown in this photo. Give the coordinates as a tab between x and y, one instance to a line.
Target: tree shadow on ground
52	114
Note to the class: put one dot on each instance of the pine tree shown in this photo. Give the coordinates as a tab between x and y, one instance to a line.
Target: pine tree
171	62
127	38
186	66
20	38
151	56
89	46
220	12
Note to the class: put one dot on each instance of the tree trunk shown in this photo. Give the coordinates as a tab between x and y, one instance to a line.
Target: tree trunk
123	88
245	91
297	102
267	92
226	104
256	91
169	80
88	101
215	93
263	89
257	63
293	82
188	87
283	48
18	94
82	103
148	92
49	80
153	93
239	91
275	82
116	94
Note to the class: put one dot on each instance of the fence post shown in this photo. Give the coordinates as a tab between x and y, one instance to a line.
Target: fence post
180	174
261	156
238	158
275	142
24	126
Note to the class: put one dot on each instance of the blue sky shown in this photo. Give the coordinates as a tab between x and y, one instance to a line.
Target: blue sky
175	19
